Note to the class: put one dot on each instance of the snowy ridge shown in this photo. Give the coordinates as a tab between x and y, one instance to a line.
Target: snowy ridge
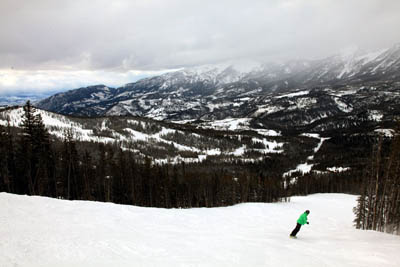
231	124
300	93
103	131
233	89
39	231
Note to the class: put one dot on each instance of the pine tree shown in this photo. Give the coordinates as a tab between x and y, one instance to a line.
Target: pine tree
34	155
87	176
70	167
378	205
5	183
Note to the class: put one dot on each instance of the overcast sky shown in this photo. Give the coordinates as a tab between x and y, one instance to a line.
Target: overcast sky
57	45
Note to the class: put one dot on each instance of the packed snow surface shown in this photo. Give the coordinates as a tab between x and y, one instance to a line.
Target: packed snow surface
39	231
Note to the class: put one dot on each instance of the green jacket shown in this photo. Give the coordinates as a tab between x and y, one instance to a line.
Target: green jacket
302	219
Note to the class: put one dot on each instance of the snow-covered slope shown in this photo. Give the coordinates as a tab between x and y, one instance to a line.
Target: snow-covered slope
129	130
336	93
39	231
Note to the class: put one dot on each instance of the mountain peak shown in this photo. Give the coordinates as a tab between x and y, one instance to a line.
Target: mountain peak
350	52
197	92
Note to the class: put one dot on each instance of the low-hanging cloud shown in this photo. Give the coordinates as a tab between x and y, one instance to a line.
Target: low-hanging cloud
123	35
42	81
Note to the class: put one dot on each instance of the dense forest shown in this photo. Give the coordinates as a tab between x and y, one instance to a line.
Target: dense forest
35	163
378	206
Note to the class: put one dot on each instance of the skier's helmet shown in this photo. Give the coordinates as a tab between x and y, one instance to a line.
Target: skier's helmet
307	211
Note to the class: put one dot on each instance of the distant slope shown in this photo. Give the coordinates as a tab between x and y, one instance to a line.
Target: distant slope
164	142
343	146
39	231
230	90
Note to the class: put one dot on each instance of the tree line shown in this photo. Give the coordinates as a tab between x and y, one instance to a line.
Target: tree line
35	164
378	206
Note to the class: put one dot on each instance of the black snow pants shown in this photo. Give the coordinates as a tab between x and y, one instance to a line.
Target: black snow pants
296	230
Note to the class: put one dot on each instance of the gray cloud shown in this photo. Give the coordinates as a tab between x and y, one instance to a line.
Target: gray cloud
123	35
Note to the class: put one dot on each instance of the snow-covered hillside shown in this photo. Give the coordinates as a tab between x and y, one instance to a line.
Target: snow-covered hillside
125	131
237	89
39	231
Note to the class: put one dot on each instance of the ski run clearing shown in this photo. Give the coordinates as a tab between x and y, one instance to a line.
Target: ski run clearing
40	231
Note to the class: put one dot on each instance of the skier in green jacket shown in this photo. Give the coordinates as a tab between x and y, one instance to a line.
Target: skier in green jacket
301	221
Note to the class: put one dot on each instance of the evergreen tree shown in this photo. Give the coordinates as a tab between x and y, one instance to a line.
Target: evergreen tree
34	155
378	205
6	152
70	167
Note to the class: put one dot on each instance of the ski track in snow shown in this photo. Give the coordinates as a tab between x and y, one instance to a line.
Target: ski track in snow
306	167
39	231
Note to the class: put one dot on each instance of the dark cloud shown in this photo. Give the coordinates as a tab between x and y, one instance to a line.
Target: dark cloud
122	35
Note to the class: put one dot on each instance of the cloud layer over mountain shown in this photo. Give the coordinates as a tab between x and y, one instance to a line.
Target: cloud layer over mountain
121	35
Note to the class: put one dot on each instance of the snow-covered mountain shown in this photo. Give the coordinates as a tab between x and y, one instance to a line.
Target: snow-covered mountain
40	231
178	143
242	112
230	140
335	86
